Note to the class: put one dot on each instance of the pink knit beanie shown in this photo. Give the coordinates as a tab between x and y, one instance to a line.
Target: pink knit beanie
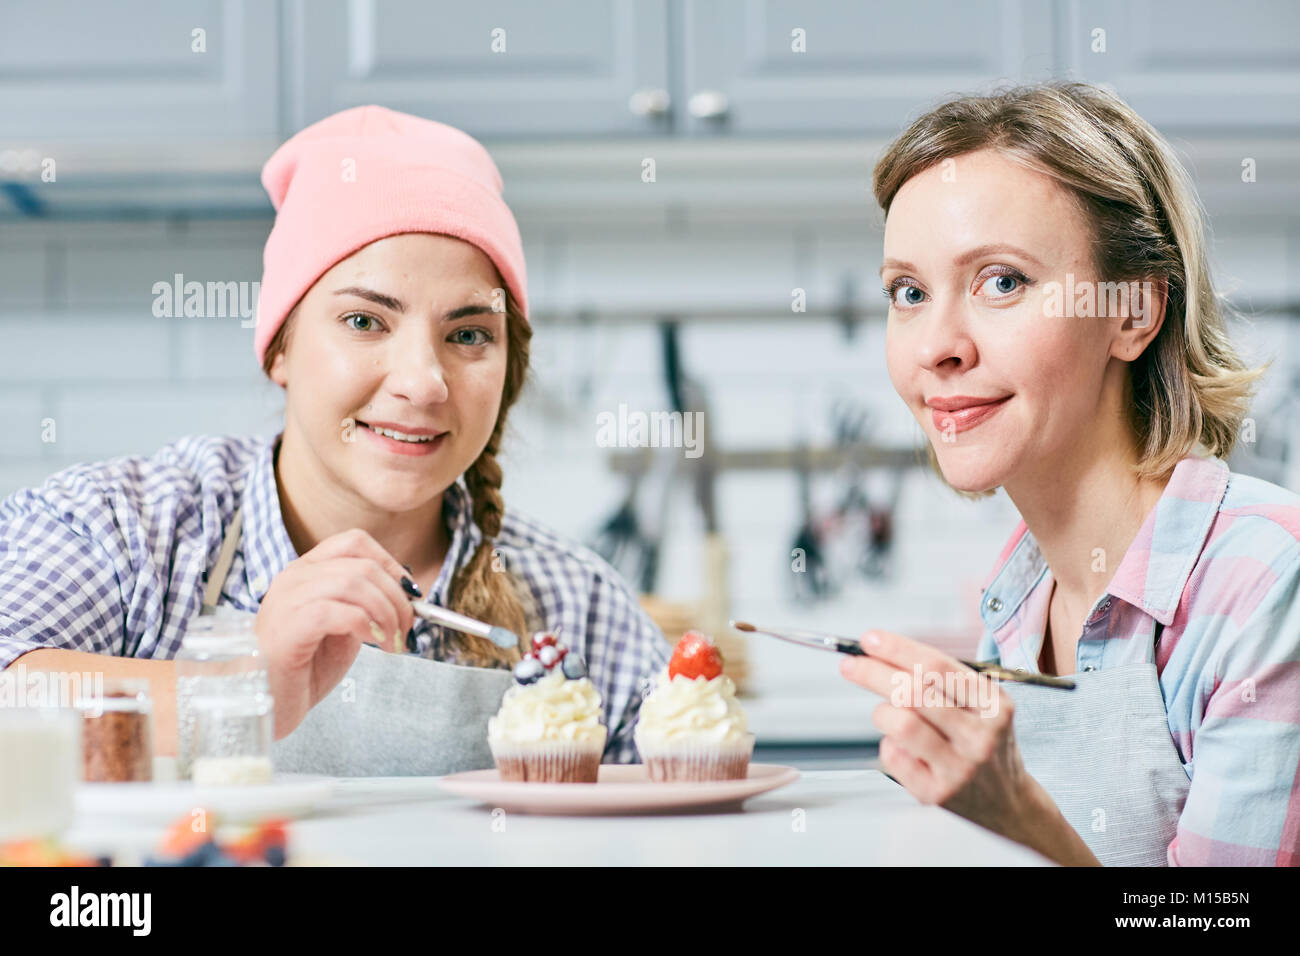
370	172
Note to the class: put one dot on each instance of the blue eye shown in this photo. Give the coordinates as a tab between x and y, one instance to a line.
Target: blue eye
911	295
1003	284
373	322
459	337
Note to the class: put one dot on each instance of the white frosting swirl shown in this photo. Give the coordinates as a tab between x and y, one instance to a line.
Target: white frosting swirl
552	708
686	708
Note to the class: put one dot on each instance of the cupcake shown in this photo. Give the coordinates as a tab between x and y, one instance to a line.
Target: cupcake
691	727
548	729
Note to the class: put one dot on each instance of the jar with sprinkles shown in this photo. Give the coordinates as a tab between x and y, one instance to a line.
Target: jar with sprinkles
224	712
117	733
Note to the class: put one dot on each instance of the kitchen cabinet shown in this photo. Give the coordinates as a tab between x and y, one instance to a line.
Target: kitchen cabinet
586	69
774	66
771	67
1191	65
138	71
496	68
1187	66
666	66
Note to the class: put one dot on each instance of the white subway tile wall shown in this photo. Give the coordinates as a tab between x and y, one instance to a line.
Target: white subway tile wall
82	348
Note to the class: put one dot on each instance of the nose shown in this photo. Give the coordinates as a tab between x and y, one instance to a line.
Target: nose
415	371
943	338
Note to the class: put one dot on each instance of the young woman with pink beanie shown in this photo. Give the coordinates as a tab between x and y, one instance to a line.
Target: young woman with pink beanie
393	312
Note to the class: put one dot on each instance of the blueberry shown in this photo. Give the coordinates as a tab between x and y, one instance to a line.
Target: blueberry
574	666
527	671
204	855
275	855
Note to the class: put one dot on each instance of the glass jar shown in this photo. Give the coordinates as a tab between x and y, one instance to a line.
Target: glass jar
117	732
40	766
225	718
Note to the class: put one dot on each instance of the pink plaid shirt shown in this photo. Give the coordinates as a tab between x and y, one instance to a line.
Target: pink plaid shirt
1217	562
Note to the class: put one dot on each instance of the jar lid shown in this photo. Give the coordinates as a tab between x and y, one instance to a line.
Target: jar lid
224	620
221	643
224	633
117	694
24	720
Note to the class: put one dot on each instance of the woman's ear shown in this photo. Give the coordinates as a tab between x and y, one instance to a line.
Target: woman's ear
1147	299
277	372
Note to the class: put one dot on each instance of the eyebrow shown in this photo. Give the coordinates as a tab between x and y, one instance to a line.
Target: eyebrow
966	257
397	305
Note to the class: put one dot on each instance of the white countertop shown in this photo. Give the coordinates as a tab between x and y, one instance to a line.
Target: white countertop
826	818
794	719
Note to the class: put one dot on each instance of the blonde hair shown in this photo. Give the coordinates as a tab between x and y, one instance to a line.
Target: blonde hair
1188	388
478	589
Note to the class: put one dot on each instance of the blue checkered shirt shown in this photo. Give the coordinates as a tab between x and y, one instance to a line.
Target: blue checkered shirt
112	557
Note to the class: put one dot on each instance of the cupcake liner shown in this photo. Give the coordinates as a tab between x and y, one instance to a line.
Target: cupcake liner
548	761
678	760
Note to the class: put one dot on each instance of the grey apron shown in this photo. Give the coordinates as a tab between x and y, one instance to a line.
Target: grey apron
391	714
1104	753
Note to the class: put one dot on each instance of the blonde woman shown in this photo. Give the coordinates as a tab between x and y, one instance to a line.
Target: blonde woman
1055	331
393	313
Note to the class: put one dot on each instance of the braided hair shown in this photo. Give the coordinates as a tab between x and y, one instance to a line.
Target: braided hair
482	588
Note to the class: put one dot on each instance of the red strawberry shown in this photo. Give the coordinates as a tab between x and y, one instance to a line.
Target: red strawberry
695	656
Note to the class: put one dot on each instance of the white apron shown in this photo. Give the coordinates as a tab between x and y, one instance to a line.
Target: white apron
1105	754
391	714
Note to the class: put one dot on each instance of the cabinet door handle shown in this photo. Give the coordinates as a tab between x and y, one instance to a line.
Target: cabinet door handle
708	104
649	102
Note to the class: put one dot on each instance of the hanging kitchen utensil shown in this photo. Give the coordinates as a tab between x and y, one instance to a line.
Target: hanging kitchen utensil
810	581
848	523
670	351
880	537
620	540
715	605
626	533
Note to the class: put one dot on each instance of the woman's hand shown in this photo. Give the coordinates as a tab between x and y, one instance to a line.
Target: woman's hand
317	613
950	741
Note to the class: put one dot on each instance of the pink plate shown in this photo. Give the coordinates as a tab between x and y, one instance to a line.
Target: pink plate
622	788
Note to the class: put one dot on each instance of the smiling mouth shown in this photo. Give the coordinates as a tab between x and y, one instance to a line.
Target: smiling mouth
401	436
966	417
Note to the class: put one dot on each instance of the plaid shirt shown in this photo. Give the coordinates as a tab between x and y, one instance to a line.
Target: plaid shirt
112	557
1217	563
